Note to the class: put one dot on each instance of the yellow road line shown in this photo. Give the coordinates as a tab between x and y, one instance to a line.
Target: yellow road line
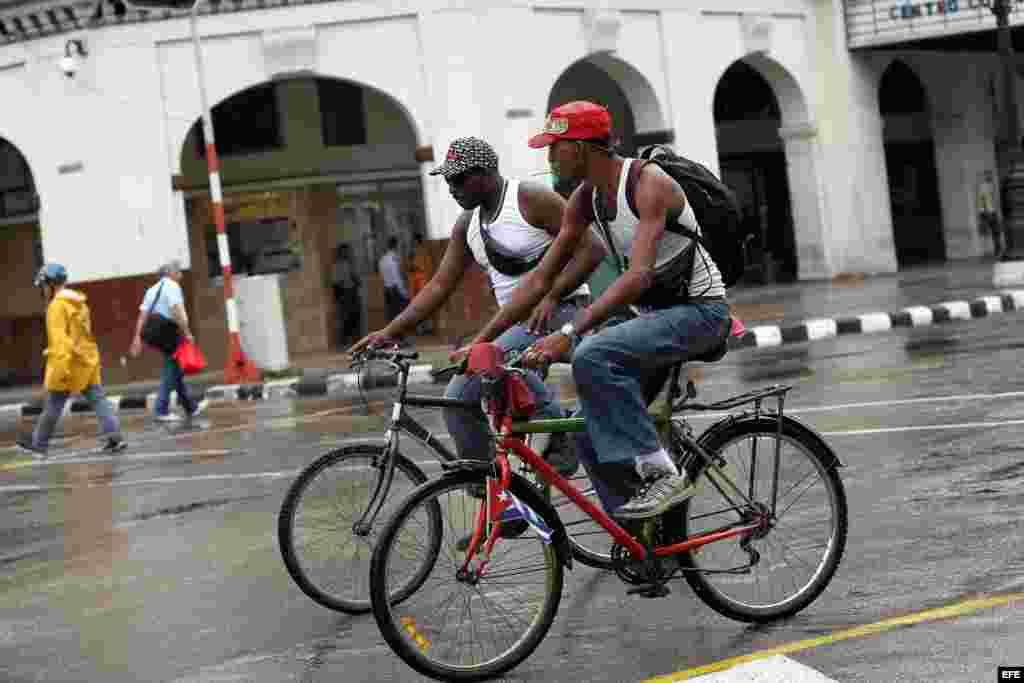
950	611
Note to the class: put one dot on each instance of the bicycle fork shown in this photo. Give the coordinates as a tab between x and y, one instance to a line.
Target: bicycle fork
363	525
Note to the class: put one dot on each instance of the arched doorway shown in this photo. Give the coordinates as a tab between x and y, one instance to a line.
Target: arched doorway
753	162
22	330
910	163
637	116
308	164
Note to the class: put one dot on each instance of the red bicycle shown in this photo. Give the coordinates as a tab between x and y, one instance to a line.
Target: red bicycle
760	539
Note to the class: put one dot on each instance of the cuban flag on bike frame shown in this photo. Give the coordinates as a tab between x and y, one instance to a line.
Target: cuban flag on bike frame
508	508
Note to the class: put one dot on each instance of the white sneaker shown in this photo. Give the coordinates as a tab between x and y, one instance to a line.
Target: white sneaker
199	409
661	491
169	417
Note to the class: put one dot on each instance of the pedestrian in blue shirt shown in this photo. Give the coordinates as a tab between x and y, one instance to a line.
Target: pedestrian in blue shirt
166	299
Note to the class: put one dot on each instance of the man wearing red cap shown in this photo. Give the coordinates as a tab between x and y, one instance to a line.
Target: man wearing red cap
506	227
667	278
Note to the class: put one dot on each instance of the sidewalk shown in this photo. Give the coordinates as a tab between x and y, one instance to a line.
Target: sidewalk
774	315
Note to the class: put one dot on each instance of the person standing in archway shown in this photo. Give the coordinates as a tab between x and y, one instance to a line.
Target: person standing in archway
506	227
345	286
666	274
988	214
421	272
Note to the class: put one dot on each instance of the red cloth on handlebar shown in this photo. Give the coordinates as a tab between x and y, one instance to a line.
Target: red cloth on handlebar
485	359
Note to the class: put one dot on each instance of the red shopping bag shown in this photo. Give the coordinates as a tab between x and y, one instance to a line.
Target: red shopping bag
189	357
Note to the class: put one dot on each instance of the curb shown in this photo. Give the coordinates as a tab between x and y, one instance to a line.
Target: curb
314	383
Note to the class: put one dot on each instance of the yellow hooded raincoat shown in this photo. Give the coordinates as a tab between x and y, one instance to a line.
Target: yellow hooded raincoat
72	357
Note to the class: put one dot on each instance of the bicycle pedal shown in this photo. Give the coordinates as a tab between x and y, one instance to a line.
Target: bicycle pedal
650	590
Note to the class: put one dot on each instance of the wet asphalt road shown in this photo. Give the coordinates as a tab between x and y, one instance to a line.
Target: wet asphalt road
162	564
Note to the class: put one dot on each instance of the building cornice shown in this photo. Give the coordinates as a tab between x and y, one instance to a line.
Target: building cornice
24	21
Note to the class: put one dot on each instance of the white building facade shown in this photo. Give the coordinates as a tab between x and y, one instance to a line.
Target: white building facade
119	182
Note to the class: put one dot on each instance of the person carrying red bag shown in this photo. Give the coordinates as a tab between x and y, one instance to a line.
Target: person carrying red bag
164	304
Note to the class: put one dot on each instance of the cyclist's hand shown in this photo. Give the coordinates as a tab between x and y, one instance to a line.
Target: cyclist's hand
547	350
459	355
372	340
541	316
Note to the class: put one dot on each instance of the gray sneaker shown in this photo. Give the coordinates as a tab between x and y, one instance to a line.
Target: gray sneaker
661	491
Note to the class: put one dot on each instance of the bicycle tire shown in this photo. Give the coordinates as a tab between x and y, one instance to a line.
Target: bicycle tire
823	462
290	507
391	628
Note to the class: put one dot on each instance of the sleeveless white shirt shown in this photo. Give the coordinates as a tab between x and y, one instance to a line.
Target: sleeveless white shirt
706	281
516	235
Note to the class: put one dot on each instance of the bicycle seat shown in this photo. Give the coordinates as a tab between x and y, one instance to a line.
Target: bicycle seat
716	352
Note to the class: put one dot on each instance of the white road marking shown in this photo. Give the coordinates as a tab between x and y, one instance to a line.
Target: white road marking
777	669
120	457
923	428
879	404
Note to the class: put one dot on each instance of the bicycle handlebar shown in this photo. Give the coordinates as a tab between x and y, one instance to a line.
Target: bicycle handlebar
392	354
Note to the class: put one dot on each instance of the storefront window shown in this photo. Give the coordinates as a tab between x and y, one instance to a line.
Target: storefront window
259	236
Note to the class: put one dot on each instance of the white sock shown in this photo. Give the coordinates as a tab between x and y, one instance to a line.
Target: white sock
659	459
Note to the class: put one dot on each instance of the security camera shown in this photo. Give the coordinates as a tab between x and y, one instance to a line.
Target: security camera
69	65
73	49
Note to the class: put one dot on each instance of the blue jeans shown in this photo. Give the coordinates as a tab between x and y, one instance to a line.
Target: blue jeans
54	408
172	377
470	429
619	372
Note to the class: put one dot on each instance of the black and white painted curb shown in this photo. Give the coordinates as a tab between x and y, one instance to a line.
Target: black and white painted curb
913	316
324	383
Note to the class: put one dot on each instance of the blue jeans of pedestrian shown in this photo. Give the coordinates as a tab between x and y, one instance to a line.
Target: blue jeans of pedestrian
172	378
619	372
54	408
469	429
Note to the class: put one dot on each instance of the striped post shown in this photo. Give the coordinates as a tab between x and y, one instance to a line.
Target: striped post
237	367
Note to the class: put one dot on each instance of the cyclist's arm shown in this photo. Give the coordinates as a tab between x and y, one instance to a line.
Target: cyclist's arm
540	280
544	208
654	195
457	258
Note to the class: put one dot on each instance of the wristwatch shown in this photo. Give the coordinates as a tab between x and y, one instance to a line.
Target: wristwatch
569	330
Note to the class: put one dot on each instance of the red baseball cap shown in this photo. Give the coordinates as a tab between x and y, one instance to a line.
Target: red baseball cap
580	120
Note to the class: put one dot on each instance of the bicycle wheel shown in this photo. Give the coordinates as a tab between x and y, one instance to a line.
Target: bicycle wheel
458	628
798	555
323	554
588	541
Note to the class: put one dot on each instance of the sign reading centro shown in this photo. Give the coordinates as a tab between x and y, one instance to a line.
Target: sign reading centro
908	10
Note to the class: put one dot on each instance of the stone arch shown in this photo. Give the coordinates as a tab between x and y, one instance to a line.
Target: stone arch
775	172
638	115
909	144
336	164
22	330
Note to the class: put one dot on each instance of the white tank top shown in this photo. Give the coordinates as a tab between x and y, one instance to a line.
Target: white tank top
511	231
706	281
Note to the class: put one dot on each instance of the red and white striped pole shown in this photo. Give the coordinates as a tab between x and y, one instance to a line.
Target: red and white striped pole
237	367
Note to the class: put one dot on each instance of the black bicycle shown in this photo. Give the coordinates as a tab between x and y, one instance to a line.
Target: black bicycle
332	512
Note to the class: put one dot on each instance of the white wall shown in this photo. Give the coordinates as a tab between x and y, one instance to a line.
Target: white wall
455	68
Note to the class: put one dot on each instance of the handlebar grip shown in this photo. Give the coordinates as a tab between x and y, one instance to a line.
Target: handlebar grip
408	355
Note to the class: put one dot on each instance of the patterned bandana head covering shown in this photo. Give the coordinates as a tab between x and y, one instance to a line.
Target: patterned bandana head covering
465	154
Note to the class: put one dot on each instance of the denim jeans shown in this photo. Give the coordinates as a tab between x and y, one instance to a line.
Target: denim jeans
619	372
172	378
470	430
54	408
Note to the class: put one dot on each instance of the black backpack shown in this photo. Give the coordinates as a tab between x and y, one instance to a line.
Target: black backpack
716	207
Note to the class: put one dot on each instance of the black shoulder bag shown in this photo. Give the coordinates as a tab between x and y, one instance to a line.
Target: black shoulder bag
159	332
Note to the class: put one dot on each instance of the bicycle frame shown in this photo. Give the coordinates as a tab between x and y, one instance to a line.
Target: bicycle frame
509	443
401	421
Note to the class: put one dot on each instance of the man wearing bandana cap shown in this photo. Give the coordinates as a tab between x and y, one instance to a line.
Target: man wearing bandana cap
505	227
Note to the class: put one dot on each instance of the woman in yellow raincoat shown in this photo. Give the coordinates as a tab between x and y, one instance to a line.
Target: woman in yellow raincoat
72	364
